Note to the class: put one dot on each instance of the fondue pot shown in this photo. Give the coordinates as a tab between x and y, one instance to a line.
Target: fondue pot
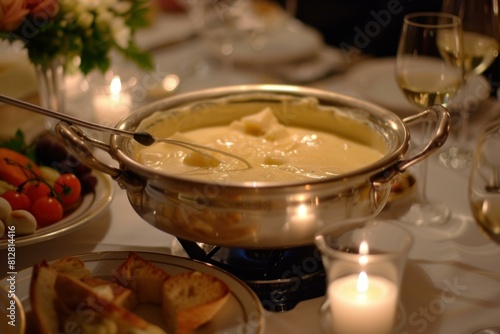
259	215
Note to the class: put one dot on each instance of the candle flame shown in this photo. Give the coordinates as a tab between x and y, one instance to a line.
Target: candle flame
362	285
302	211
115	87
363	252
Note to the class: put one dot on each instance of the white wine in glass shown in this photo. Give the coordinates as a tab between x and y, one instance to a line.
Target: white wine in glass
429	71
424	85
484	182
479	51
481	40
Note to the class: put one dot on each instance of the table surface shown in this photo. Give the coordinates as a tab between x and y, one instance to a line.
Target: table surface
452	281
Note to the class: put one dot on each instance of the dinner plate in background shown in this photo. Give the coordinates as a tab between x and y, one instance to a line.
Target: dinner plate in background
165	29
374	80
325	62
17	74
93	205
242	313
17	80
294	42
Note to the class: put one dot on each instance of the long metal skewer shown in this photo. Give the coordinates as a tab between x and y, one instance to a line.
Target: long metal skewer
142	137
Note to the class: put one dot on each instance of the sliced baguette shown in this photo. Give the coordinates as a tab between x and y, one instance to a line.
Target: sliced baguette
76	268
87	312
43	298
192	299
143	277
112	291
64	304
72	266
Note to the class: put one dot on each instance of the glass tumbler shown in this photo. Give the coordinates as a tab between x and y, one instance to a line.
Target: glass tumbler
364	263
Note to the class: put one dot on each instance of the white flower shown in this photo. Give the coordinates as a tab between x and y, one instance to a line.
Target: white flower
122	7
85	20
90	4
120	32
108	3
67	5
104	18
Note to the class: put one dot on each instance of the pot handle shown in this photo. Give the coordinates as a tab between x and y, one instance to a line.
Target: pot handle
78	143
436	114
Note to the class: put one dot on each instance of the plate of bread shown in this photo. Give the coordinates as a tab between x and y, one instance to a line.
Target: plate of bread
135	292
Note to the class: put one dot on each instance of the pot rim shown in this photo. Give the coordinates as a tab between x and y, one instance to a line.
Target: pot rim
117	143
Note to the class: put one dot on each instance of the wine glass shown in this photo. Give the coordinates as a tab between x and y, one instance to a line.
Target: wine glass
481	36
429	71
484	182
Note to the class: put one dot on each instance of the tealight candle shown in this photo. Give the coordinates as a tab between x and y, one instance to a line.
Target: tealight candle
362	304
110	107
302	219
364	261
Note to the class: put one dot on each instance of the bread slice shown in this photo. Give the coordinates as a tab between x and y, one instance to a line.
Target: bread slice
76	268
143	277
192	299
43	297
72	266
112	291
87	312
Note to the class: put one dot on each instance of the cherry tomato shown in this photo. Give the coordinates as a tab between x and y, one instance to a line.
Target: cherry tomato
69	188
47	210
36	189
17	200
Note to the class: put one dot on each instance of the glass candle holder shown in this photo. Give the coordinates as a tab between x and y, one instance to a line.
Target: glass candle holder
364	263
112	103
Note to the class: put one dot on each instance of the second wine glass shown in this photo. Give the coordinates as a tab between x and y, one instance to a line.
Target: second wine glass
429	71
484	182
481	45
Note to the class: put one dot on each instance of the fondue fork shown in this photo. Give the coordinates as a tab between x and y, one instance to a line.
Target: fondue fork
142	137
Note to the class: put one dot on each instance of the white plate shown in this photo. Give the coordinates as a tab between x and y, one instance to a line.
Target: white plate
242	313
93	205
166	29
374	80
17	74
296	41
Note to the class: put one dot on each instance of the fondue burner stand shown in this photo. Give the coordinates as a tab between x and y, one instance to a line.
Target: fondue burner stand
281	278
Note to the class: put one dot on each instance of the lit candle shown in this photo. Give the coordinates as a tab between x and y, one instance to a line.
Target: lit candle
303	215
361	304
110	107
302	220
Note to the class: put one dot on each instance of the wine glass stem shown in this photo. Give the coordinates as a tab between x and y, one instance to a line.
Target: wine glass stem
463	129
424	166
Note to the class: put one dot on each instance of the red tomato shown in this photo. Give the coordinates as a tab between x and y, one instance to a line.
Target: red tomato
36	189
17	200
47	210
69	188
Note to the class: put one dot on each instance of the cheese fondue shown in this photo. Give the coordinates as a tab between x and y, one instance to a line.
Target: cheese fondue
277	153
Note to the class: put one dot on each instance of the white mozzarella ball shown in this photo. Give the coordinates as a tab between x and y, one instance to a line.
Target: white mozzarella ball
5	209
23	221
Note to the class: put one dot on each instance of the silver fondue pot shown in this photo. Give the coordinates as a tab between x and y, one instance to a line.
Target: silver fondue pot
261	215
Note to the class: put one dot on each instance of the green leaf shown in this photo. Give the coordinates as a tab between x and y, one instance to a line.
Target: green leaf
18	144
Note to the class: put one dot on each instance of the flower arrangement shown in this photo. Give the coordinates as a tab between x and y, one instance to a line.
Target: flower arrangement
88	29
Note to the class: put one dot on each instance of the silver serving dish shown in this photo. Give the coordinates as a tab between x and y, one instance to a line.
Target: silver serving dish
261	215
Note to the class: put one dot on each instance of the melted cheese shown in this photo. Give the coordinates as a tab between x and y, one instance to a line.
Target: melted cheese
277	153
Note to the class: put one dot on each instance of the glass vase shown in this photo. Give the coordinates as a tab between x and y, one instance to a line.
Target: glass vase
51	87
